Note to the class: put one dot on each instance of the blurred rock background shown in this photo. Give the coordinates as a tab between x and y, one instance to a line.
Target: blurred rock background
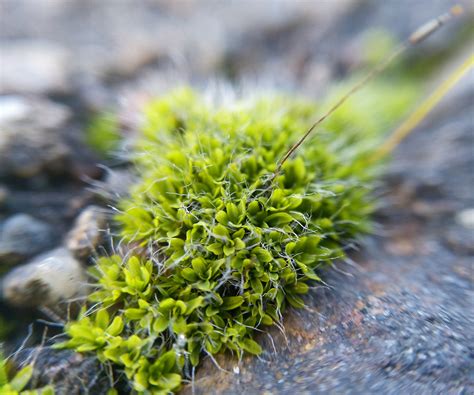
398	321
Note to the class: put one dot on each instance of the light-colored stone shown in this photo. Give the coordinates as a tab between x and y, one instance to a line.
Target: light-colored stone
466	218
47	280
33	66
13	108
31	137
87	232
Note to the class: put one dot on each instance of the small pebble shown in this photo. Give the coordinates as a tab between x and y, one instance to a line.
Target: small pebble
13	108
466	218
50	278
87	232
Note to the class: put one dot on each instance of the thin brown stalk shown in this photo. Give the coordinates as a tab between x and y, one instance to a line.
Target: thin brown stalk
415	38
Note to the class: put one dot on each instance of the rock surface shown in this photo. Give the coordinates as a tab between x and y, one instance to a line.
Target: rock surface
70	372
49	279
22	236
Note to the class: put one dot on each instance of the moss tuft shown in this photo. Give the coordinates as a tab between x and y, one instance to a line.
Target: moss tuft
103	134
222	247
16	384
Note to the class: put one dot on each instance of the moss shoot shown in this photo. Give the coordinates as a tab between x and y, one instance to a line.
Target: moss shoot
220	247
103	134
16	384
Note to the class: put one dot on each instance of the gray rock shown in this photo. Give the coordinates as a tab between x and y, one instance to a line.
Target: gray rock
22	236
31	136
33	66
87	232
53	277
69	372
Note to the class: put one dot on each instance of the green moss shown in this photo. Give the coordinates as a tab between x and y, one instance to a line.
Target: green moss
16	384
103	134
222	247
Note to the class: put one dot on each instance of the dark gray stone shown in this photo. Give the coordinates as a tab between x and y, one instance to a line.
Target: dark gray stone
22	236
71	373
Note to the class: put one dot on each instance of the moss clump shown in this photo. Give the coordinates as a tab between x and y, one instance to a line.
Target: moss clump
15	384
103	134
222	246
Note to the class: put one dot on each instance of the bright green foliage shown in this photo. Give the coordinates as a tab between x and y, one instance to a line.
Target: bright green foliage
16	385
222	245
103	134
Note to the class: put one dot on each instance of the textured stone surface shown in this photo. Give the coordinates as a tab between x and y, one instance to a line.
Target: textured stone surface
70	372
